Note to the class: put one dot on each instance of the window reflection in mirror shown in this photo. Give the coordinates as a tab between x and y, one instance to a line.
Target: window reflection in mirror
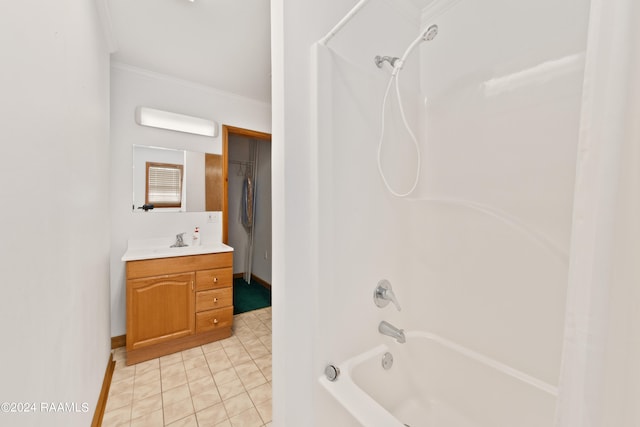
196	194
163	185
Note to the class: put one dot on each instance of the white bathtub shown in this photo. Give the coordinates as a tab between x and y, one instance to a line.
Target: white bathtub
437	383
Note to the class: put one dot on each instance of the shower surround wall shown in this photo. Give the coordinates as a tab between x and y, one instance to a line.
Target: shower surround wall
501	132
362	228
479	253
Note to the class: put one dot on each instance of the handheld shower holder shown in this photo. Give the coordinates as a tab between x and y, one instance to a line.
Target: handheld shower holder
397	63
379	60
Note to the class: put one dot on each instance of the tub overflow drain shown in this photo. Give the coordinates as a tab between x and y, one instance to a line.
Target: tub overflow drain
332	372
387	360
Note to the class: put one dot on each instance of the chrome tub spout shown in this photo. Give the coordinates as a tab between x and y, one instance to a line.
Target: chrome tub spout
386	328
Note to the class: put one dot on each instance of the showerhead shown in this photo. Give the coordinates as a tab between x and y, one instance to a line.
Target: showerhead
431	33
398	63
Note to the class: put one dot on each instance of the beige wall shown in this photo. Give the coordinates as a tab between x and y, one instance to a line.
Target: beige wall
54	251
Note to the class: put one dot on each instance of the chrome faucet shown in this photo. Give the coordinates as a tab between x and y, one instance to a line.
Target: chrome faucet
179	241
386	328
383	294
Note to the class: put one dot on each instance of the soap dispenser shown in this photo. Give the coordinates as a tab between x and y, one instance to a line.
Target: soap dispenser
196	237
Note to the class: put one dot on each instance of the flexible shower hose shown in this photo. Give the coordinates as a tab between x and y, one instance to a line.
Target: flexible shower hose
395	76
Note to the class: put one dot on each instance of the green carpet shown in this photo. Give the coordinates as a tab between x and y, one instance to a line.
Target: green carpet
248	297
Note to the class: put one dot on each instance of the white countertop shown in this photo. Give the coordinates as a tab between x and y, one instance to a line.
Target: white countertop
159	248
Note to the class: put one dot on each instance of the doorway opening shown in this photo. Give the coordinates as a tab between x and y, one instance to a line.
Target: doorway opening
246	213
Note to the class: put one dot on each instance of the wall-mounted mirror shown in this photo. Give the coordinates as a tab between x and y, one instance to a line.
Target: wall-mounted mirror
176	180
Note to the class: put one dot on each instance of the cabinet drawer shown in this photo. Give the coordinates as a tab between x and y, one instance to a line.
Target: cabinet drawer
214	319
216	278
214	298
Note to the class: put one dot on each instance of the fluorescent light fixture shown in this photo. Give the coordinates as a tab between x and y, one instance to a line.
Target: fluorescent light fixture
146	116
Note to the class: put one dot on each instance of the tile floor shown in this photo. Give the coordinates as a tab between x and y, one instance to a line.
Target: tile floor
222	384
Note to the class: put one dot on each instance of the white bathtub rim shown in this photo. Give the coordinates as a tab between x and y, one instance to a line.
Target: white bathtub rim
498	366
355	400
372	414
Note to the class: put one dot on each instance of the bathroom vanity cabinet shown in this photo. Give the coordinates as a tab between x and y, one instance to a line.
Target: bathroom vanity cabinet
177	303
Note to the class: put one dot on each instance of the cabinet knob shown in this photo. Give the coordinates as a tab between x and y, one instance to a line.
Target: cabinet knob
215	321
215	280
215	300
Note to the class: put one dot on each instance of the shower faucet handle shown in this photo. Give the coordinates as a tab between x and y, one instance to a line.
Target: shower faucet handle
383	294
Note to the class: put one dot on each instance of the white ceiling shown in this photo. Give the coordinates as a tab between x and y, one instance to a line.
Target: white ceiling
224	44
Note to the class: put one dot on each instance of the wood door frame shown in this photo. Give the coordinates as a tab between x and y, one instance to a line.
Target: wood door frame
226	131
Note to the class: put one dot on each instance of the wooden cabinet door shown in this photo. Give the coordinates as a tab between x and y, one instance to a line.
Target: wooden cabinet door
160	309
